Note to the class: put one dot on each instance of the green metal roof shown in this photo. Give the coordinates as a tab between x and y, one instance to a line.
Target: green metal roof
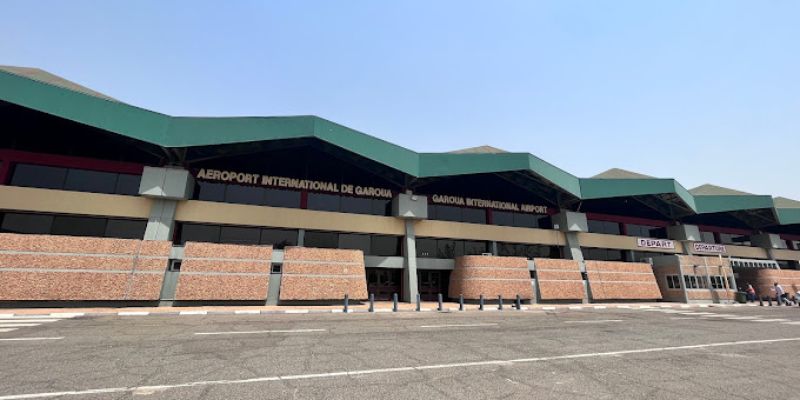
73	102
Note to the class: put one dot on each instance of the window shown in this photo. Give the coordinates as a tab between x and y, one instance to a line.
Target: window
444	213
245	194
199	233
75	179
603	254
239	235
276	268
426	248
27	223
39	176
606	227
355	242
473	215
385	246
125	228
521	220
690	281
323	202
716	282
673	282
282	198
647	231
45	224
529	251
208	191
702	282
449	248
356	205
325	240
734	239
278	238
78	226
708	237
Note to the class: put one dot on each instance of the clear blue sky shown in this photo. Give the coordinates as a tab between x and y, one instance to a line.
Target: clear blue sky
703	91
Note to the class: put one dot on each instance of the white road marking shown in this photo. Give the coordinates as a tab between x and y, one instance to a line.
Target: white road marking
34	316
247	312
792	323
721	315
67	315
6	315
30	339
593	321
296	312
624	307
741	317
681	318
132	313
575	307
17	325
193	313
599	307
268	331
7	321
3	330
456	326
769	320
385	370
549	308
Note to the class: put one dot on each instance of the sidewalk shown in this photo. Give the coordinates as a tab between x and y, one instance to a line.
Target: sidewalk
355	307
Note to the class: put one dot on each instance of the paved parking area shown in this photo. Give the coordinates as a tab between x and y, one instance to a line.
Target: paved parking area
611	353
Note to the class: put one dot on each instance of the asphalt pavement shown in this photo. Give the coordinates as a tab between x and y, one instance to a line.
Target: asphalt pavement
713	353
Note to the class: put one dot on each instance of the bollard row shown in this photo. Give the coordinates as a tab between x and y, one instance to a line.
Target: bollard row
440	300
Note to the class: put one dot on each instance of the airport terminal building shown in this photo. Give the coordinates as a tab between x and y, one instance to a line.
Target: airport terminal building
101	201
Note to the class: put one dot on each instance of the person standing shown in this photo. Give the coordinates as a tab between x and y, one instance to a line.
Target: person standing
780	294
751	293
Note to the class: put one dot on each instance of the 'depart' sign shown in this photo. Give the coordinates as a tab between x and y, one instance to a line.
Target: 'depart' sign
655	243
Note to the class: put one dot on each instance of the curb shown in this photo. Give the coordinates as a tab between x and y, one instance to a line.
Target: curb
559	308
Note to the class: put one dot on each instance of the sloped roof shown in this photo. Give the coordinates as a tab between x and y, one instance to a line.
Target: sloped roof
713	190
485	149
783	202
38	90
46	77
619	173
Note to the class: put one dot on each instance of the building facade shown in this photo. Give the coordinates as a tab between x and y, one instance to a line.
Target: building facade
102	201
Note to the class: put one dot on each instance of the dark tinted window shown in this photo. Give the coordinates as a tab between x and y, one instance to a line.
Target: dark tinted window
473	215
475	248
128	184
208	191
199	233
381	206
354	241
91	181
528	250
426	248
610	228
323	202
446	213
125	228
239	235
244	194
39	176
356	205
27	223
385	245
503	218
603	254
327	240
78	226
448	248
282	198
279	238
708	237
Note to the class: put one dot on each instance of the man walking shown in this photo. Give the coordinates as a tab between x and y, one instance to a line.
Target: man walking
780	294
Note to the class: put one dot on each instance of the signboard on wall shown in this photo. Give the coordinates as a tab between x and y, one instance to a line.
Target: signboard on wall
492	204
655	243
709	248
291	183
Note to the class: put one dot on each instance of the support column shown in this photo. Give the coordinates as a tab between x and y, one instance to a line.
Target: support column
768	242
410	208
161	223
166	186
410	289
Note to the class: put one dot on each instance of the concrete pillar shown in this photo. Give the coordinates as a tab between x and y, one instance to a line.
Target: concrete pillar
410	288
410	207
161	223
301	237
166	186
768	242
494	248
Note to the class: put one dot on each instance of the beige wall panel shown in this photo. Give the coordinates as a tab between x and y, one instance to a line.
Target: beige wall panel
460	230
620	242
66	202
240	214
787	254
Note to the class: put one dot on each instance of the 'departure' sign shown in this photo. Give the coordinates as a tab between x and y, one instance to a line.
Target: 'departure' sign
291	183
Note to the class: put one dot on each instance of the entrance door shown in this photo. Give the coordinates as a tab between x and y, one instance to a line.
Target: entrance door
383	282
431	283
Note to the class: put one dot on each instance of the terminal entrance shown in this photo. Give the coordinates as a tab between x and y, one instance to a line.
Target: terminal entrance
431	283
383	282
